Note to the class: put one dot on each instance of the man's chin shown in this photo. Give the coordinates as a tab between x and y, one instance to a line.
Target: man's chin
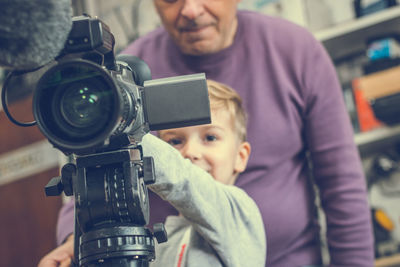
197	48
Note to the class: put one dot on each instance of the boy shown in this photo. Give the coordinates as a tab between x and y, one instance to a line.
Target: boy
219	224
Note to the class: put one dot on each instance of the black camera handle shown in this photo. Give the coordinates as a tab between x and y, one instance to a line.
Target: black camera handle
111	208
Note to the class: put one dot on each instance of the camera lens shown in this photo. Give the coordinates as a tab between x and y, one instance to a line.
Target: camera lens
81	103
76	104
83	106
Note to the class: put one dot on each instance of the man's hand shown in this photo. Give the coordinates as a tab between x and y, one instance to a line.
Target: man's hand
61	256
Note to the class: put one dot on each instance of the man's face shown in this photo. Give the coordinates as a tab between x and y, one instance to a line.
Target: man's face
199	27
213	147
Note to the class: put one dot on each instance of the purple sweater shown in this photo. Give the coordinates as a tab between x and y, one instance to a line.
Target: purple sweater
295	104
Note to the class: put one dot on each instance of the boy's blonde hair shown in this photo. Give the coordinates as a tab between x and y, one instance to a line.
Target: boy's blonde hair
224	97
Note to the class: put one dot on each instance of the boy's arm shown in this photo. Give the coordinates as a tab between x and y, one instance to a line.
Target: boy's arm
225	216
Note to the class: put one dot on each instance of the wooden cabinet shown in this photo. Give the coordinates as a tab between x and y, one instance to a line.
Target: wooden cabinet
27	217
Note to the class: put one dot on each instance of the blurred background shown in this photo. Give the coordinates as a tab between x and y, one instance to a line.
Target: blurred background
363	40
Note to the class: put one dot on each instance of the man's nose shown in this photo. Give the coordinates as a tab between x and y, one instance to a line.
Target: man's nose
192	8
191	150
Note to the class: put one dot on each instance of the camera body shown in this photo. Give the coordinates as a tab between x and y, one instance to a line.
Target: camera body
90	97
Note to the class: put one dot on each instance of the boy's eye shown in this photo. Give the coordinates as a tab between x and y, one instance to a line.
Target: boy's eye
174	142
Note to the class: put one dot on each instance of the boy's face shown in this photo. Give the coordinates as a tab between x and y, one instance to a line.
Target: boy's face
214	147
199	27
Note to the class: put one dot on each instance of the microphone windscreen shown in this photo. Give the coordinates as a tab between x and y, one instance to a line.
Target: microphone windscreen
33	32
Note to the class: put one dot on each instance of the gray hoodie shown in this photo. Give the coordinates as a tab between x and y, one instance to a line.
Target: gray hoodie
220	224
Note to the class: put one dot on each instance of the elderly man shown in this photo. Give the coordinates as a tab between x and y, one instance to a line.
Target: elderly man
296	117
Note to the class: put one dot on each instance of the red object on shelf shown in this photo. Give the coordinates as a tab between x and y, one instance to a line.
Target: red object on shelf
366	117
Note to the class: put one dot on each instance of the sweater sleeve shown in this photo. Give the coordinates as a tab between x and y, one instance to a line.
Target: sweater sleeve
225	216
65	223
336	164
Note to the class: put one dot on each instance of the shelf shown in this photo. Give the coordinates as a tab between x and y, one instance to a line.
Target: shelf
378	139
350	37
390	261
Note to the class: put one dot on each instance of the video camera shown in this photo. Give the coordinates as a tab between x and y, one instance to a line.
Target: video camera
97	107
89	97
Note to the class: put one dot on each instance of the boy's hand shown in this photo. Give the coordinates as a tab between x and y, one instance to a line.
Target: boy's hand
61	256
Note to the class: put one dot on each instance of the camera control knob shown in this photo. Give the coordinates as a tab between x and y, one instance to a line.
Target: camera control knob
148	170
67	172
159	233
54	187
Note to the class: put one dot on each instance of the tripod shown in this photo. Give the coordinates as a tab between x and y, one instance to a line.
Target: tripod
111	207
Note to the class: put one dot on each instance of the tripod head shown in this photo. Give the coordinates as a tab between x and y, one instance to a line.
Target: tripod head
111	207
